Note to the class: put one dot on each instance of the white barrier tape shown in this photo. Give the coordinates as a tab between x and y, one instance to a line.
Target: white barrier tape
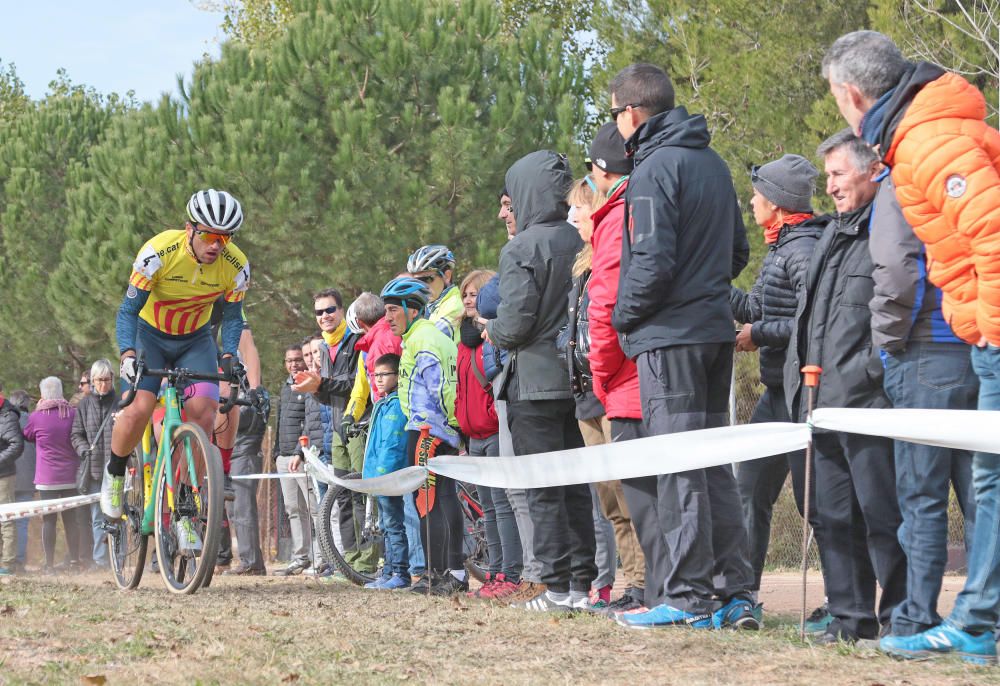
37	508
680	452
665	454
400	482
963	429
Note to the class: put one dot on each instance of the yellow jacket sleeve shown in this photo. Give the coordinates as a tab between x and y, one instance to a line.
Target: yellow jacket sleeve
360	393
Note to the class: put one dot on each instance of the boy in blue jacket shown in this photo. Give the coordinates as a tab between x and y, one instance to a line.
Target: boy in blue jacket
385	453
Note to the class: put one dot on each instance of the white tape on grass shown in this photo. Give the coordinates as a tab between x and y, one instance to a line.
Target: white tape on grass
36	508
963	429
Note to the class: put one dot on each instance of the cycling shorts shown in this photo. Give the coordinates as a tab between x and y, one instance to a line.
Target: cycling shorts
194	351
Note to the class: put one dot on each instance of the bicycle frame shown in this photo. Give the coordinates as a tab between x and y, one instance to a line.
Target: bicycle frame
152	468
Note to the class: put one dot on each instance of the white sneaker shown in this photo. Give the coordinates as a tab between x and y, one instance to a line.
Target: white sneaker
188	540
112	495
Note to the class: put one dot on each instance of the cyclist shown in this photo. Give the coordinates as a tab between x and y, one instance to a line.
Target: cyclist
434	265
166	313
427	381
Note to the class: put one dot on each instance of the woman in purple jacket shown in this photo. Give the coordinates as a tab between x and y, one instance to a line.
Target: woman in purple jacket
49	428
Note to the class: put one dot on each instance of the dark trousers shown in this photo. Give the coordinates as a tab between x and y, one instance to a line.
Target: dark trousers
857	518
443	549
641	498
760	482
564	526
683	388
76	523
929	376
243	510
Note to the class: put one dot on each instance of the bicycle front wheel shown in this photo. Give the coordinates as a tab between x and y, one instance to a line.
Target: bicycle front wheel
126	542
189	514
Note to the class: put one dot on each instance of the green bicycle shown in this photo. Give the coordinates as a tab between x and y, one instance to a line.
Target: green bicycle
173	491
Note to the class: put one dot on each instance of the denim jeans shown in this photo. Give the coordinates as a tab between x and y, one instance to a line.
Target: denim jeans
503	541
411	521
976	607
391	511
100	552
934	376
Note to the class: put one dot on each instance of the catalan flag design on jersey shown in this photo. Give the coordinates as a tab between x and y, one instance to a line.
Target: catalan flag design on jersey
181	290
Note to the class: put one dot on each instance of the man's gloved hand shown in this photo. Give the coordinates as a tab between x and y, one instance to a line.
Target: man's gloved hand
226	364
260	399
346	426
127	370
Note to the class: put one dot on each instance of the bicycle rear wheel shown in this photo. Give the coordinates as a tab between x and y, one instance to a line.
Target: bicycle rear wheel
187	533
126	542
362	563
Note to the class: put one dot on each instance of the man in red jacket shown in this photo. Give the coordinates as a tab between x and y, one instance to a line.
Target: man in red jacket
616	381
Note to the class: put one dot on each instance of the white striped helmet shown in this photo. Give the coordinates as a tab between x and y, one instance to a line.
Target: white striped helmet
217	210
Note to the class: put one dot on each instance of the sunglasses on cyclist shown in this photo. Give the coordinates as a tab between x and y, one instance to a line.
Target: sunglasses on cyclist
326	310
212	237
427	278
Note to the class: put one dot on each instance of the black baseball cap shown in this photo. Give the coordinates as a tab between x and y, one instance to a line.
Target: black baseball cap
607	151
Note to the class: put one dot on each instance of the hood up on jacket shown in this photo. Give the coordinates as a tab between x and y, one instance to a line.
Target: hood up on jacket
538	184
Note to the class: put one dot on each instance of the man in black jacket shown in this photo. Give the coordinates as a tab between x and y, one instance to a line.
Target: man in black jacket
535	274
686	243
248	459
11	441
856	510
782	206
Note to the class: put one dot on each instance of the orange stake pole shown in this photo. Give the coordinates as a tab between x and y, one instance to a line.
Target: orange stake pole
811	374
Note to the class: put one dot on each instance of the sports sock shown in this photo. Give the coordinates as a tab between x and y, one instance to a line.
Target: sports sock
227	459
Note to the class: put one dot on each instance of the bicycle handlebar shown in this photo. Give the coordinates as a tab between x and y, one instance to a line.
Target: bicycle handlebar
176	375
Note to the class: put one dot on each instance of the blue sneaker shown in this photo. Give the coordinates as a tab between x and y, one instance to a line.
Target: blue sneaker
664	616
394	583
942	640
819	620
378	584
739	613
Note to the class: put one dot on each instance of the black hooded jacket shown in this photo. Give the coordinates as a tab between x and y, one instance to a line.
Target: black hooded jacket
771	304
535	276
686	240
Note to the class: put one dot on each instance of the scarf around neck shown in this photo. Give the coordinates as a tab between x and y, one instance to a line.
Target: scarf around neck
53	403
333	338
772	232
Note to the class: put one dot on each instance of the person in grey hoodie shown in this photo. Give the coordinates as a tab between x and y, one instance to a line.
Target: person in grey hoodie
535	275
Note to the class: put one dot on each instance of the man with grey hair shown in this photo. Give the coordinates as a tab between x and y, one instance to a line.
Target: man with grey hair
927	125
856	516
91	437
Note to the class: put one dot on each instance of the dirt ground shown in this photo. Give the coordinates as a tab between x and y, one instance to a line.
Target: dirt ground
80	629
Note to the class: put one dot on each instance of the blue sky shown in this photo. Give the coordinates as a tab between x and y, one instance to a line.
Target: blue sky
112	45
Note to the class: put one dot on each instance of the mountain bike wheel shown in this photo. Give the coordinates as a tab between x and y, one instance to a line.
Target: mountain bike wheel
126	542
363	563
187	534
477	558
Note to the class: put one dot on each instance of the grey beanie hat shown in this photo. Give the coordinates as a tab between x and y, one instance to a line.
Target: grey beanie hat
789	182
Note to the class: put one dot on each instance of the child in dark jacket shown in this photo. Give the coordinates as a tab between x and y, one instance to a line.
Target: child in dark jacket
385	453
478	363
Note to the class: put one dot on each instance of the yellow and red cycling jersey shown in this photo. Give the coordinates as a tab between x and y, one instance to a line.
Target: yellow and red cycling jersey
181	289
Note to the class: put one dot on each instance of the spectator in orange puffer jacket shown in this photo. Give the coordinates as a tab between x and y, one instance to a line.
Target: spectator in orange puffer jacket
927	124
